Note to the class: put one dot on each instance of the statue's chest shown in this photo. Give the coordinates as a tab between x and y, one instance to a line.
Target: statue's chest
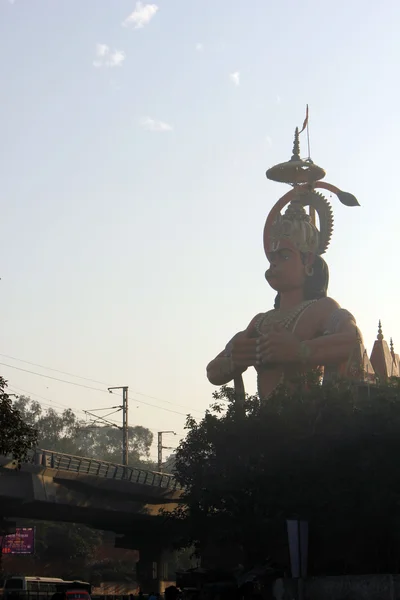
288	320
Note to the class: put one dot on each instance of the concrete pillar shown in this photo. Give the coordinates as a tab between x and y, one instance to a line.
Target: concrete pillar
151	570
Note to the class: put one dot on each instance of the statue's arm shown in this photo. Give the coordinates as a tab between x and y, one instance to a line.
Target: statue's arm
221	370
340	338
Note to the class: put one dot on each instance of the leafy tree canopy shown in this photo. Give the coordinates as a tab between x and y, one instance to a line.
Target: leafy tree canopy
327	454
66	433
16	435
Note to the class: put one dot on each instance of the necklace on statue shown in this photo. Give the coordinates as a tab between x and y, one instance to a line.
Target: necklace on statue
284	318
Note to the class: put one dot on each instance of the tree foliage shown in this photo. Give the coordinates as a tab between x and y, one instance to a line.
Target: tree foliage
66	542
327	454
66	433
17	436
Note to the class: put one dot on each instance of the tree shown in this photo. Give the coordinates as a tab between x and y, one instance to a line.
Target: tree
66	542
66	433
106	442
327	454
17	437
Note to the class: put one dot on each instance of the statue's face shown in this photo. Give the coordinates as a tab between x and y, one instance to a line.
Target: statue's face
287	269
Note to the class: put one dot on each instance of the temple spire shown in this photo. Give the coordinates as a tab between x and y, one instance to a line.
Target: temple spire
382	359
296	146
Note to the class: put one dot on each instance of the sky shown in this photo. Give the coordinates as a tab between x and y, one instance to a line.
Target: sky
135	140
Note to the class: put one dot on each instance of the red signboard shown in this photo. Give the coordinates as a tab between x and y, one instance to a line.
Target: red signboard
20	542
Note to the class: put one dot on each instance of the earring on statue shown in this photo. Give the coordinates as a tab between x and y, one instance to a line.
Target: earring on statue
309	270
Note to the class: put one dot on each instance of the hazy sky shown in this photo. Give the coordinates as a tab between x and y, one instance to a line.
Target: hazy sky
135	139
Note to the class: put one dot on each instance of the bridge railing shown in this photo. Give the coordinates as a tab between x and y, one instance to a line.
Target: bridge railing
101	468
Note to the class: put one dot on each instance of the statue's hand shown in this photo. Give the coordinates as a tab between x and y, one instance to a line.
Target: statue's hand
243	351
279	346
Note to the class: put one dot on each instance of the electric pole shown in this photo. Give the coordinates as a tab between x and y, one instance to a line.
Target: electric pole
125	452
160	448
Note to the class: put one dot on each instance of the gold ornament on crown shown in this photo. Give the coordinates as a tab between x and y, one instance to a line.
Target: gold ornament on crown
295	225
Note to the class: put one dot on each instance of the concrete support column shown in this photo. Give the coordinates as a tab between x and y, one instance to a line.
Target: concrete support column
151	570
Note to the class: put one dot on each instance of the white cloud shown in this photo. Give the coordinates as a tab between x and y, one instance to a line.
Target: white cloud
268	141
107	58
141	16
278	100
11	1
102	49
199	47
116	59
235	77
154	125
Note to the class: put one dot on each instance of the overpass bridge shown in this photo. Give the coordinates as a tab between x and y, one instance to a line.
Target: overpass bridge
53	486
132	502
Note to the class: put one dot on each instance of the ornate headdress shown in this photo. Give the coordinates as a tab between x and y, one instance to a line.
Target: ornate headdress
296	226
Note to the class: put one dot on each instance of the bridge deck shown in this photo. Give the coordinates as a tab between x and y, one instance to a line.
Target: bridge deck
100	468
61	487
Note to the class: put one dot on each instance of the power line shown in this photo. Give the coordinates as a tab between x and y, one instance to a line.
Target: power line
87	379
61	407
88	387
168	402
175	412
58	405
54	370
58	409
18	395
103	420
105	408
75	410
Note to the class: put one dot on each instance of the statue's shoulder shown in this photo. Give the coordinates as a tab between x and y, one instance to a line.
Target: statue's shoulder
320	311
331	315
326	305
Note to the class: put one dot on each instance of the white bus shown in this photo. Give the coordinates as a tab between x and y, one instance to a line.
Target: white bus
38	588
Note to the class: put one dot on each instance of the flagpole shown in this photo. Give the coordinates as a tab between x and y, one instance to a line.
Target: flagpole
307	121
308	134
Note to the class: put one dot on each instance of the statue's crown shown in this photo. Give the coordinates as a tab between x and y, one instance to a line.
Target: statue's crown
295	225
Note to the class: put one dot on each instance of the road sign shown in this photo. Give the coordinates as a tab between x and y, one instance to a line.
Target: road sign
20	542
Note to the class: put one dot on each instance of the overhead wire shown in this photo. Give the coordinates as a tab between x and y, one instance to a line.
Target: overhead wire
33	364
60	406
90	380
18	395
88	387
92	388
60	409
57	405
53	404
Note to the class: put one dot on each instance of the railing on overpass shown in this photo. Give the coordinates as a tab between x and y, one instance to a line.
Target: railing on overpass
24	595
101	468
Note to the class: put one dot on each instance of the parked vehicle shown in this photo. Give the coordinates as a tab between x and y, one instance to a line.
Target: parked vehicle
20	587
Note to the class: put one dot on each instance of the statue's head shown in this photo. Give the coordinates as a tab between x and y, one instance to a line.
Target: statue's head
289	271
293	244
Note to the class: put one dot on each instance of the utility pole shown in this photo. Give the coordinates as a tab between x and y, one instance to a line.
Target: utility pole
160	448
125	453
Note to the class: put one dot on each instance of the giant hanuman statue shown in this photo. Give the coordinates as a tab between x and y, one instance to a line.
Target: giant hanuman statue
306	328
